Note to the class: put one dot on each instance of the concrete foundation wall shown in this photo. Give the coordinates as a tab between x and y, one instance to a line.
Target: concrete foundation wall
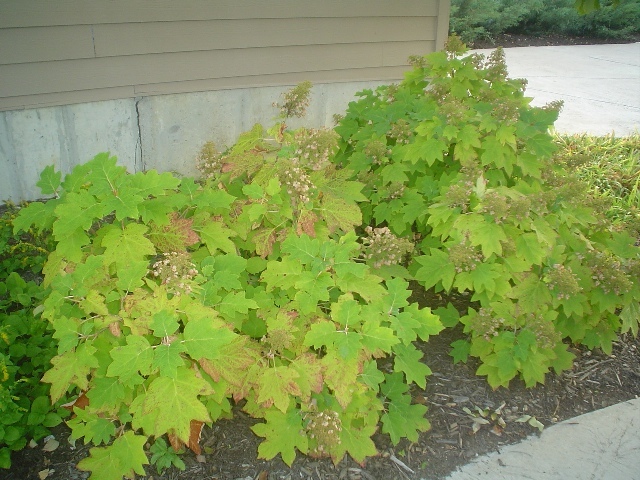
163	132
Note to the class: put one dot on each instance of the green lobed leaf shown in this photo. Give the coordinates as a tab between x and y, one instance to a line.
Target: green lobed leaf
282	432
164	323
630	316
377	338
435	267
70	368
277	385
90	425
529	248
49	180
206	337
407	360
127	245
167	358
404	420
39	214
124	458
460	351
106	393
339	213
131	360
174	402
217	237
105	175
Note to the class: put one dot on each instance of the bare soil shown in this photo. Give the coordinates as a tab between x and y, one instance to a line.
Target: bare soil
230	447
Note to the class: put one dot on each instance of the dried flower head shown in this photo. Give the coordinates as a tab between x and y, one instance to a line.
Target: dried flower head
295	101
547	335
323	428
298	184
401	132
315	147
465	256
176	271
209	161
608	273
383	248
562	281
377	151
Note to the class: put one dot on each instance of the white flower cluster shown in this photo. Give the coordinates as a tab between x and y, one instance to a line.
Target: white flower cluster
176	271
299	185
324	427
315	147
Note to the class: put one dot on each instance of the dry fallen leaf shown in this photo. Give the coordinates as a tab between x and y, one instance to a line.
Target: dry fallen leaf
42	474
194	437
81	402
175	442
50	445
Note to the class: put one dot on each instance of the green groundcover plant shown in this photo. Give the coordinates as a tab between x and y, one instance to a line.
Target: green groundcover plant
26	342
457	159
170	299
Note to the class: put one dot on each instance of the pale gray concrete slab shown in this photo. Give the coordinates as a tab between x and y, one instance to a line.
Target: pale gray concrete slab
64	136
599	84
601	445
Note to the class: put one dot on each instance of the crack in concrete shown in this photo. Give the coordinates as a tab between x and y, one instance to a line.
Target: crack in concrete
139	162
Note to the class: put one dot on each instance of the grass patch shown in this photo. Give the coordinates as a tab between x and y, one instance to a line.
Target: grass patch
611	167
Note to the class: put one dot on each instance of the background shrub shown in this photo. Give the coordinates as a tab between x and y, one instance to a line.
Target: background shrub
485	19
560	17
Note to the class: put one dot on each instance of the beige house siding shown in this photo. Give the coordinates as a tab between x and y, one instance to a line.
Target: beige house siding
60	52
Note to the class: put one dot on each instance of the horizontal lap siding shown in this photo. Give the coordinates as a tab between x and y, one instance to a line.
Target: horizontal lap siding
71	51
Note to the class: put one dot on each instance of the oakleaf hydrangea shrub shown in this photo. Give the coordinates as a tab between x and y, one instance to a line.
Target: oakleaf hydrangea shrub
171	299
456	158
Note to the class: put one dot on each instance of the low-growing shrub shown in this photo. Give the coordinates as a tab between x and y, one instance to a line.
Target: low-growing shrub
171	298
456	158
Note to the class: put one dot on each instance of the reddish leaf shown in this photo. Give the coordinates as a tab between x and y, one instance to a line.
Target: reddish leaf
81	402
194	436
175	442
306	223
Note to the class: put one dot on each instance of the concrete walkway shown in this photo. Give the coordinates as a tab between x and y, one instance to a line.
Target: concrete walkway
600	84
601	445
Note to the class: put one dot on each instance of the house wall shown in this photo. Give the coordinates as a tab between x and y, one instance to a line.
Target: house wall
152	80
